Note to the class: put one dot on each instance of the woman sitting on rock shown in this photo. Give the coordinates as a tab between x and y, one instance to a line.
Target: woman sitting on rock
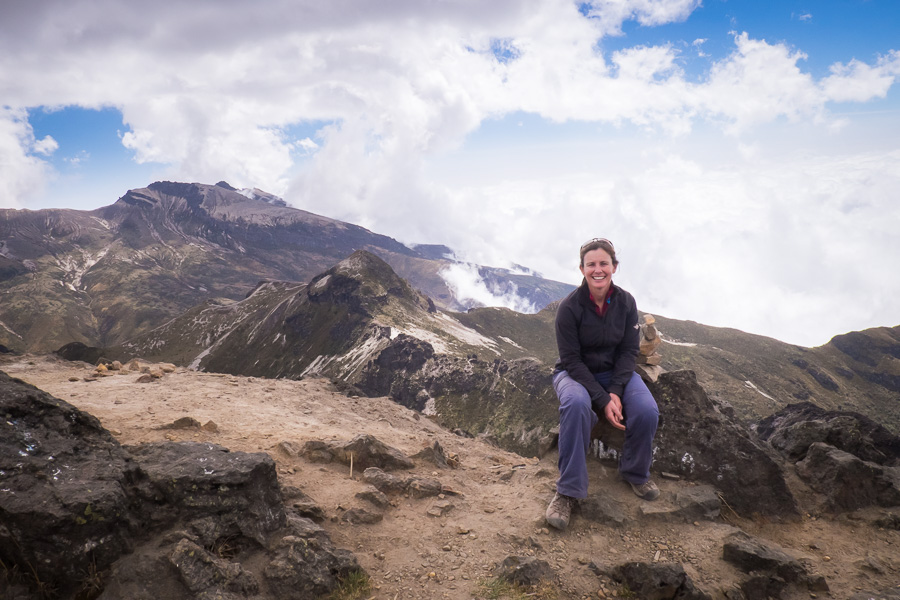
598	336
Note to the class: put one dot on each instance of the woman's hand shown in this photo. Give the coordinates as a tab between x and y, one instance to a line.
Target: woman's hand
613	412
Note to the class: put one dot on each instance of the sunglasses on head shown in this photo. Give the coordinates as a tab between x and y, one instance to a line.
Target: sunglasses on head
594	240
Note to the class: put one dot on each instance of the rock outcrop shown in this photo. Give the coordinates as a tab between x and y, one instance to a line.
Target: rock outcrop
65	506
181	521
770	567
796	427
852	461
846	481
658	581
700	442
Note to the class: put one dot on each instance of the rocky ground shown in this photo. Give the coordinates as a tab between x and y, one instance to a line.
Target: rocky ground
448	546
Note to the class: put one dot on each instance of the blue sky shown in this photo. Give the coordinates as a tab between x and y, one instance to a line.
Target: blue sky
724	145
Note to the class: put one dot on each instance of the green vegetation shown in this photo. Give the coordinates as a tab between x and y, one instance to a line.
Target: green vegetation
496	588
352	587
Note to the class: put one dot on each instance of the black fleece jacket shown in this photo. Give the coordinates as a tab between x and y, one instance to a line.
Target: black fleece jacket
589	343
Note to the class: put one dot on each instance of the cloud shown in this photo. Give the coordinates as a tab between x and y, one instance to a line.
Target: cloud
858	82
782	245
472	290
211	90
613	13
22	174
80	157
307	145
45	146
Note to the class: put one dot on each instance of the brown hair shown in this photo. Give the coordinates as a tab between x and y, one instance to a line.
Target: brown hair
599	244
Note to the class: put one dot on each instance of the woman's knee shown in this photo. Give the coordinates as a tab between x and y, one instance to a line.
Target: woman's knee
639	404
572	395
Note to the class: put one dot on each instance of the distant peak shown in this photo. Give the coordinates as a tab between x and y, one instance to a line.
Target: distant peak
368	276
363	263
227	186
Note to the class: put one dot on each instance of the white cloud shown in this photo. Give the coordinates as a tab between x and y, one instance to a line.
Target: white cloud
80	157
858	82
307	145
471	289
612	13
211	89
46	146
22	175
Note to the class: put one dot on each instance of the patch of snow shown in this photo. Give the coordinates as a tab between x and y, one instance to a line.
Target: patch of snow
101	221
674	343
75	269
316	366
6	327
394	333
195	364
750	385
464	334
360	354
429	410
438	343
322	282
510	342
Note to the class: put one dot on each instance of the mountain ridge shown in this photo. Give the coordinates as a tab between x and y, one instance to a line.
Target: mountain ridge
101	277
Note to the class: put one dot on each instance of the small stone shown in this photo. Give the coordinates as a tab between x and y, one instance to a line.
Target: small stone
74	379
826	558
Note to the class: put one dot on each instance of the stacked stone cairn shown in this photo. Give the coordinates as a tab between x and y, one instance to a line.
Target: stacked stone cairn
648	358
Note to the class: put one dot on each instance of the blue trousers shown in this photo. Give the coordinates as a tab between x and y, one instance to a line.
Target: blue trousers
577	419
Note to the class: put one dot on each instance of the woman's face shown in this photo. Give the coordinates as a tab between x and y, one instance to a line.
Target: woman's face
597	268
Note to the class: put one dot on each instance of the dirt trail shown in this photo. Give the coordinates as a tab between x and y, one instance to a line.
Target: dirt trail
501	501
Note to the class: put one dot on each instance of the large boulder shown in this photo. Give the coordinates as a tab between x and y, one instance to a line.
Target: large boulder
700	442
304	563
793	429
188	480
847	482
181	521
363	451
771	568
64	505
658	581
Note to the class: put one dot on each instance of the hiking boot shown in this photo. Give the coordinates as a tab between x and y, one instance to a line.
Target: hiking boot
647	491
559	511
